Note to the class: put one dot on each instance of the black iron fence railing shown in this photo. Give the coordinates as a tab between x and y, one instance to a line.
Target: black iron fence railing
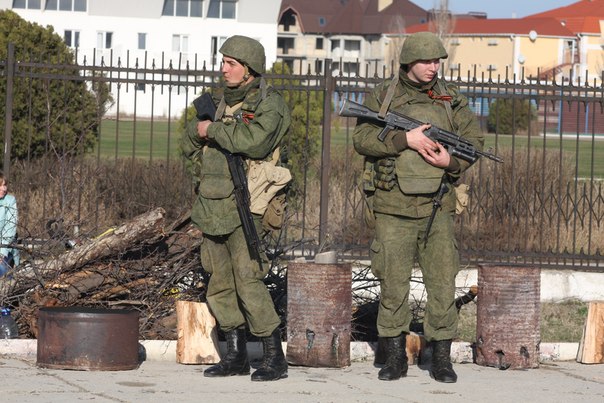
87	145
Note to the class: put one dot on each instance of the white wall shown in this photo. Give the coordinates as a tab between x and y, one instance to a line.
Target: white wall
125	19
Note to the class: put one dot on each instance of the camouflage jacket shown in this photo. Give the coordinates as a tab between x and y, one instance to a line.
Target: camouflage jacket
257	129
416	180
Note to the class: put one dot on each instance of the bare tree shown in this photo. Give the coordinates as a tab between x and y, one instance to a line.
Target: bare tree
442	23
397	24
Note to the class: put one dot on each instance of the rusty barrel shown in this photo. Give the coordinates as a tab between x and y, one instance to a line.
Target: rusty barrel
83	338
319	311
508	316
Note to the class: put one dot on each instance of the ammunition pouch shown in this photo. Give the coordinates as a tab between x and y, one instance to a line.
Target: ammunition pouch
274	216
385	174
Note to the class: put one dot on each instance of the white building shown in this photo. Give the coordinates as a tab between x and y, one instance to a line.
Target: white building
153	33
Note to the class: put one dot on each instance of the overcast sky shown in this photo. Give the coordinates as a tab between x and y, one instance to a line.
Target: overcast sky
498	8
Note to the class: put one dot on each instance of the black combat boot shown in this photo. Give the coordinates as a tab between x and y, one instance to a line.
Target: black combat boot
274	365
442	369
396	358
235	362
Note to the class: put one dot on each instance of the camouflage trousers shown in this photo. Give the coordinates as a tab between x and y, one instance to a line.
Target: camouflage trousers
398	244
236	293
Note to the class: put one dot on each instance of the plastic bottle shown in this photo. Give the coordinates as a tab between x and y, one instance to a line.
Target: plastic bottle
8	326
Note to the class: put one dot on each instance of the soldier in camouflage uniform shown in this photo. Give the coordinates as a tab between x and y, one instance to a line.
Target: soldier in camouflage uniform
404	173
251	121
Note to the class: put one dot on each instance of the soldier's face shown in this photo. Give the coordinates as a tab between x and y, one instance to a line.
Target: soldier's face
423	71
232	71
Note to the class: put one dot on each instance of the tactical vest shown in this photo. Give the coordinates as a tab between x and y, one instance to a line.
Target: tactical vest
413	174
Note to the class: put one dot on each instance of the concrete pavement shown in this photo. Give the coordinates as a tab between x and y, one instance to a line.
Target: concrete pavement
157	380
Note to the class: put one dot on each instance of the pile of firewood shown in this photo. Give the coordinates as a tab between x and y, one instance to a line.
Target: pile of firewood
145	264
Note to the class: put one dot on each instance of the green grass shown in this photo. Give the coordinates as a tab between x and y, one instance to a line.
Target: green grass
160	141
580	150
143	139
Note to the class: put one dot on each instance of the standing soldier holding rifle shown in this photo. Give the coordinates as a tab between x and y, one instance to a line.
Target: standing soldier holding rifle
250	122
408	178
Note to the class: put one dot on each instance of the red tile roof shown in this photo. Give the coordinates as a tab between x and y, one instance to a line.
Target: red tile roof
581	17
353	16
582	8
504	26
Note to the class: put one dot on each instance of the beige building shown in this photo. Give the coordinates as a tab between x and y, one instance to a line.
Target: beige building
508	48
565	44
585	19
364	37
351	33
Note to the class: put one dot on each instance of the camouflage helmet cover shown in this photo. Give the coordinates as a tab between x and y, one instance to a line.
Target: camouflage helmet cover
246	50
422	46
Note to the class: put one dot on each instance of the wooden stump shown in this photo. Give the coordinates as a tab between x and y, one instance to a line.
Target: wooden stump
591	347
197	341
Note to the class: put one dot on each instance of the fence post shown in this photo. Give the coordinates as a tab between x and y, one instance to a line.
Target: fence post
325	153
8	117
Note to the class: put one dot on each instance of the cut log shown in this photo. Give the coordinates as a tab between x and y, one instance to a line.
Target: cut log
79	282
124	289
591	347
197	341
140	228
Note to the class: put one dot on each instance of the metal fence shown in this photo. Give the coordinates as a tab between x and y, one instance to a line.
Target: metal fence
544	206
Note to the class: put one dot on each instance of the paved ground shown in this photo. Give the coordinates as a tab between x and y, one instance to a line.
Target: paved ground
161	381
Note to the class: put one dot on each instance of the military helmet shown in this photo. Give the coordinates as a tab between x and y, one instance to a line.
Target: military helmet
422	46
246	50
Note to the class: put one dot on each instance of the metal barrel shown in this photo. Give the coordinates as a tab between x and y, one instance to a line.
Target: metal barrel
319	312
84	338
508	330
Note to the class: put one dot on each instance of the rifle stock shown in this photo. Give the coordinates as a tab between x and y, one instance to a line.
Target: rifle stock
456	145
206	110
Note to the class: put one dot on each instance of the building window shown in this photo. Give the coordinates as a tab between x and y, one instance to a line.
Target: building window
319	44
140	86
31	4
104	40
226	9
180	43
79	5
142	40
351	69
65	5
72	38
288	20
215	44
182	8
285	44
353	46
335	44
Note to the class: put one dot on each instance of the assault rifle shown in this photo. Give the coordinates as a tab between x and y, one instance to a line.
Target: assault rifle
206	110
455	145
